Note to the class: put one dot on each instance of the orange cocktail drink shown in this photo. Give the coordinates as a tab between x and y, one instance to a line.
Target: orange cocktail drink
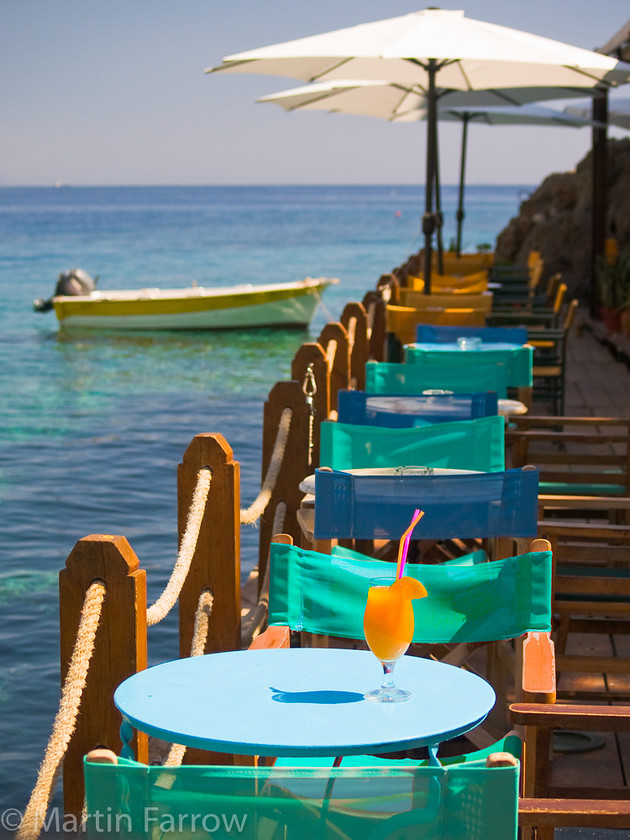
388	622
388	626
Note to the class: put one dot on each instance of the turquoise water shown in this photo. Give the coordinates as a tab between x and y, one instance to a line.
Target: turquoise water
92	427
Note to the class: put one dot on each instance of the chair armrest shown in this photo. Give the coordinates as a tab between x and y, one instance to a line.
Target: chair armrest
561	716
272	639
539	669
584	502
586	813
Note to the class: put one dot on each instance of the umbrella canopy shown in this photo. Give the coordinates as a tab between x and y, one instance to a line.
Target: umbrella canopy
618	112
435	49
394	100
404	103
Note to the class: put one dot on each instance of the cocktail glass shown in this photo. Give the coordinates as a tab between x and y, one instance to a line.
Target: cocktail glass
388	627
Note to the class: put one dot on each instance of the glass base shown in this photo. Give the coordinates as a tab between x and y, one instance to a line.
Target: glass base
388	695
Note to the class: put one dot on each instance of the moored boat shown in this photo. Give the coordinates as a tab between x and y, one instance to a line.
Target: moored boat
79	305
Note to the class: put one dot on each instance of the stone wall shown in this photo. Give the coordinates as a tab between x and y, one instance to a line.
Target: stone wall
556	219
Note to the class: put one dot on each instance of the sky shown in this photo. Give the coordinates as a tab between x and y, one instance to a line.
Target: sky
112	92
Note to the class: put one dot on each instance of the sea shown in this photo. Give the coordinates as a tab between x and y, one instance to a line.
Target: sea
93	425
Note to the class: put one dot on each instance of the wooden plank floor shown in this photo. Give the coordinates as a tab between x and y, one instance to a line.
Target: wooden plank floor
597	386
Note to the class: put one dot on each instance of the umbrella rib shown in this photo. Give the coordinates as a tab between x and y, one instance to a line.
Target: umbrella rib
590	76
416	89
330	68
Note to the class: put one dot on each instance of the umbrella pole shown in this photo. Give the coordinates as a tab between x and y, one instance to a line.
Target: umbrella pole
439	218
599	178
428	220
462	176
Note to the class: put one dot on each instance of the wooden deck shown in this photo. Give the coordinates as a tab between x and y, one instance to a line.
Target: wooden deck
598	385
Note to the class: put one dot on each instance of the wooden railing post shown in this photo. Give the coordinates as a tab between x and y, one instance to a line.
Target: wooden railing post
312	355
120	648
334	336
376	309
216	563
295	465
354	318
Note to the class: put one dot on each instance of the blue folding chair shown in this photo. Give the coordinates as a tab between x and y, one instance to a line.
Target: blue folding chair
402	412
475	505
436	334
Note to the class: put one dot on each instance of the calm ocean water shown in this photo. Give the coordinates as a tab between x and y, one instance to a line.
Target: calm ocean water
92	427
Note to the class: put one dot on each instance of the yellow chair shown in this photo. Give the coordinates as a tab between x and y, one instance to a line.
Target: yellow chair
402	321
419	300
451	283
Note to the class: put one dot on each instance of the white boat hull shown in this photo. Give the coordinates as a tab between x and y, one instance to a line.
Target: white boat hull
194	308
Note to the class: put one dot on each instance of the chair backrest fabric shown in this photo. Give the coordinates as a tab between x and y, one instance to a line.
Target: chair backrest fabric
421	301
478	602
517	362
401	321
404	412
396	378
464	444
490	504
463	802
445	334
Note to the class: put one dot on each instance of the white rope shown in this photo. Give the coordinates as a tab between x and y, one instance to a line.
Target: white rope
157	611
202	621
331	352
257	508
198	646
371	313
66	718
255	620
352	330
322	305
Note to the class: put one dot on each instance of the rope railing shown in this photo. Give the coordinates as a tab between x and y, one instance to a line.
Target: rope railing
200	634
371	316
157	611
257	508
66	718
352	330
254	622
331	352
83	644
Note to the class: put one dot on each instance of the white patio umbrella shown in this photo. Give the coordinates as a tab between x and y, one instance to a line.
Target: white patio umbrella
526	115
618	111
401	103
434	49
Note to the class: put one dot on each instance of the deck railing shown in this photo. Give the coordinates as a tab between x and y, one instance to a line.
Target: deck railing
103	588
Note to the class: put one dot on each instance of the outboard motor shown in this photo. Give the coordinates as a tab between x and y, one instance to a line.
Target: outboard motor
74	282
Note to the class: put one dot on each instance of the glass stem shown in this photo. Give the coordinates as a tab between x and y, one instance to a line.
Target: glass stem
388	675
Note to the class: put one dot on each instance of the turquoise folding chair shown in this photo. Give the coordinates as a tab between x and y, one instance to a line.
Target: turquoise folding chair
406	412
464	445
515	361
471	603
397	378
468	602
469	802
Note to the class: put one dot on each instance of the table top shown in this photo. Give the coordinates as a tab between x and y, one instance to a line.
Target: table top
301	701
453	346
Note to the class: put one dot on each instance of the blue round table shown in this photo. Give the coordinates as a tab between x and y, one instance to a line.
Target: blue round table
300	701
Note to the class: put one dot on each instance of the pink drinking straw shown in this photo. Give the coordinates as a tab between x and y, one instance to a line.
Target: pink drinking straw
403	546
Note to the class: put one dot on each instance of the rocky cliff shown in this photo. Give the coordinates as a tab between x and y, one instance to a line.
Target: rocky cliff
556	219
